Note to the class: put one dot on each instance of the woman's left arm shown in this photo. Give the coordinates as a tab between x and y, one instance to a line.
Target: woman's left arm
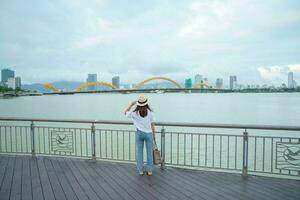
130	106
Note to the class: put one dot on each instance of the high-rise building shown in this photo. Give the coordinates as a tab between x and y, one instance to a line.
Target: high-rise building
198	79
90	79
18	82
116	81
232	82
6	74
11	83
219	83
290	80
188	83
295	84
205	81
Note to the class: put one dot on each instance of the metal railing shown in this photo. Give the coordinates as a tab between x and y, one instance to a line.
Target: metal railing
251	149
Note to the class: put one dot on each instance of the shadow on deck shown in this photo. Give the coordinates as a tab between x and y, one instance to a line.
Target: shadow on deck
24	177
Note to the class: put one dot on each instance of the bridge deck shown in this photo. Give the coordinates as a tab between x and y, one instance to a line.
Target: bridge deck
24	177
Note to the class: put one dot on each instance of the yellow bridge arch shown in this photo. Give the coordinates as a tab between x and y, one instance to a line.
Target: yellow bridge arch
48	86
140	84
95	83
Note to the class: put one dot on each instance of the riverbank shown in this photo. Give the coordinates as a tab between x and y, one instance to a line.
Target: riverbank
18	94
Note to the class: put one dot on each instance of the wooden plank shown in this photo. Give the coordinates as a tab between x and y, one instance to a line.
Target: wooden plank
129	173
197	190
146	192
80	193
7	179
269	189
220	186
208	186
23	177
160	184
272	186
175	185
45	182
82	181
56	185
245	186
3	166
237	184
26	179
66	186
230	185
115	182
36	184
99	185
115	188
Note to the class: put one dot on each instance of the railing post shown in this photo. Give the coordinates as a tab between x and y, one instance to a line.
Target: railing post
93	142
245	153
162	147
32	138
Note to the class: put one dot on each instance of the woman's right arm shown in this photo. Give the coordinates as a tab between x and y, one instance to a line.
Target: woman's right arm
130	106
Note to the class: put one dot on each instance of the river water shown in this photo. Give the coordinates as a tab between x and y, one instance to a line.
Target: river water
235	108
188	147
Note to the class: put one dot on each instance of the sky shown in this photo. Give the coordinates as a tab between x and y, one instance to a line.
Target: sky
47	41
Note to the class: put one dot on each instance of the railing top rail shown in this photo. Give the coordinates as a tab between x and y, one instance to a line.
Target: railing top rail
173	124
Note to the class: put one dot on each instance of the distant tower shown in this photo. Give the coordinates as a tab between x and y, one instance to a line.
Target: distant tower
197	81
219	83
188	83
116	81
295	84
18	82
290	80
91	78
6	74
232	82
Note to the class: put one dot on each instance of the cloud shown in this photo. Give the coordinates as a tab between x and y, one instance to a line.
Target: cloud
68	39
272	73
294	68
277	73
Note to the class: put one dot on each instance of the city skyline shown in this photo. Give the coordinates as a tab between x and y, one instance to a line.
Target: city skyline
197	81
256	41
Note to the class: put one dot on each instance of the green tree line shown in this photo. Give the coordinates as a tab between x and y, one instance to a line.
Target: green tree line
6	89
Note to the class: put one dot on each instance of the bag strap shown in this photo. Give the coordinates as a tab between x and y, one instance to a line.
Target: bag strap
154	143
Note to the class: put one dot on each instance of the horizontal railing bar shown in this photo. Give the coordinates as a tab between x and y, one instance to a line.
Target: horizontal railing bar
173	124
203	134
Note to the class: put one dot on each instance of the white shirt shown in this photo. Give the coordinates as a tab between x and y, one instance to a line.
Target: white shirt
141	123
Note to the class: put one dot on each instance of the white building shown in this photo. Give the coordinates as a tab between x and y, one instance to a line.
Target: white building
11	83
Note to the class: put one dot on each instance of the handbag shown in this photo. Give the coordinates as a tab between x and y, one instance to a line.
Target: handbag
156	154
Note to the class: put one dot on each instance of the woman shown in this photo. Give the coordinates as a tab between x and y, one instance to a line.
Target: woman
143	120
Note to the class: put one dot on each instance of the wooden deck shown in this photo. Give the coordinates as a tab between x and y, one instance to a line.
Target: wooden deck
24	177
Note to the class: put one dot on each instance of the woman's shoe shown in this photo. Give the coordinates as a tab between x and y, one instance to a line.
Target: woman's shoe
141	173
149	173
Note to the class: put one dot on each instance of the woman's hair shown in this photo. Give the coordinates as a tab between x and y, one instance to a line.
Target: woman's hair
143	110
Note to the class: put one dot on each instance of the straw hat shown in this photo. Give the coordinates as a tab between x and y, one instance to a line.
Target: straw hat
142	101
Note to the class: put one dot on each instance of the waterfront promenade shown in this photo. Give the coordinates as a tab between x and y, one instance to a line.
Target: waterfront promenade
26	177
84	159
